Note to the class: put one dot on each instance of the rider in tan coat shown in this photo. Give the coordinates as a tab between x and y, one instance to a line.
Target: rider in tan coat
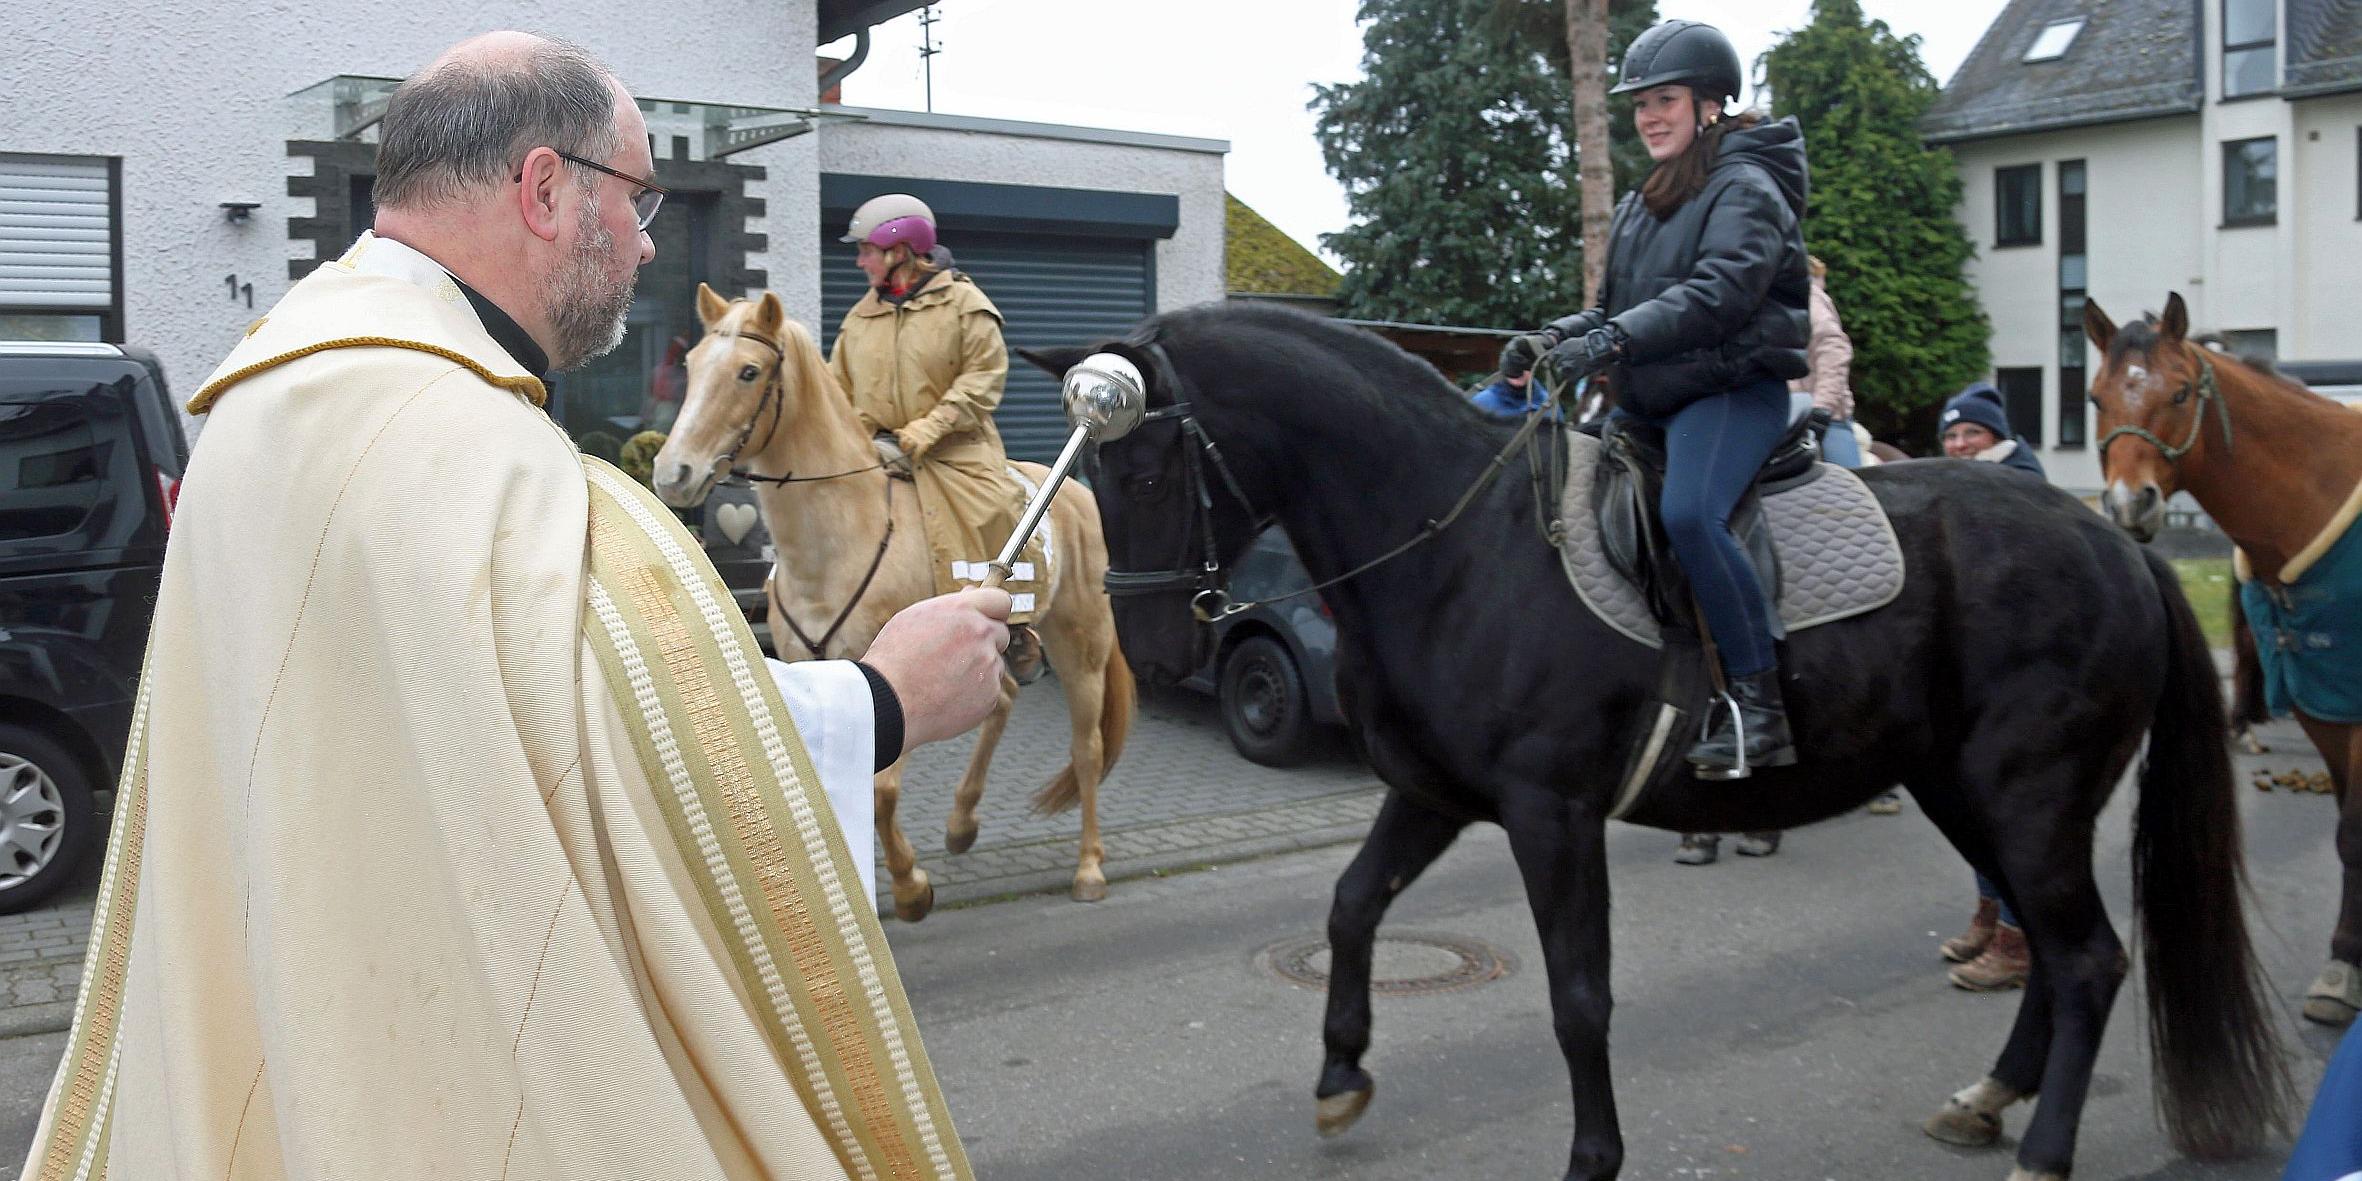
922	358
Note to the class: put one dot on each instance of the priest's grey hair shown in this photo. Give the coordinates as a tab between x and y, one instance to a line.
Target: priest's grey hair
467	123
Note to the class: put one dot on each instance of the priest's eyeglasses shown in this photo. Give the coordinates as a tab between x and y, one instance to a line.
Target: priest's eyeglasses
644	202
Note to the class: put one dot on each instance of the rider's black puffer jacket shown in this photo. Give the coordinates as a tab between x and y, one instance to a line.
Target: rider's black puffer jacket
1715	296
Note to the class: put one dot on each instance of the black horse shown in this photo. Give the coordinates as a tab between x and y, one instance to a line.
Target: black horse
2009	686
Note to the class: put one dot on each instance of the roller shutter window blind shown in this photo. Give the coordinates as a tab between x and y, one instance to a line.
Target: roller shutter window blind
56	233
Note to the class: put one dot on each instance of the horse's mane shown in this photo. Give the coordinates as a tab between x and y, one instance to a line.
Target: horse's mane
1394	390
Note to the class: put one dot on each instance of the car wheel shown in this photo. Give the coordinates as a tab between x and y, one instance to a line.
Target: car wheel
47	821
1264	706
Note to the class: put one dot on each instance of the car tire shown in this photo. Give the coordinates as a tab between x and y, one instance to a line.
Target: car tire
1264	707
47	819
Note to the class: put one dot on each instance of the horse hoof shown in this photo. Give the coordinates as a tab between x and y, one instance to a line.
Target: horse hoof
2335	994
2327	1010
917	906
1966	1127
1090	889
957	840
1341	1111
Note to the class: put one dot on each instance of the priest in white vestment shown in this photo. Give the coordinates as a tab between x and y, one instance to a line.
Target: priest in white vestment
464	832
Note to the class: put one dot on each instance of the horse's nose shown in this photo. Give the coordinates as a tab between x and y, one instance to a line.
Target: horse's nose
672	481
2139	511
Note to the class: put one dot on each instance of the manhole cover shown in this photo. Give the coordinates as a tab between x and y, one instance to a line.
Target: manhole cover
1402	964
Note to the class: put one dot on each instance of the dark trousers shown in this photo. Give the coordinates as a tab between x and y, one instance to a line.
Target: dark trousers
1713	448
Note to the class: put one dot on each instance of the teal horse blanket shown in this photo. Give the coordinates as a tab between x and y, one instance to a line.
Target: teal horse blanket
2308	634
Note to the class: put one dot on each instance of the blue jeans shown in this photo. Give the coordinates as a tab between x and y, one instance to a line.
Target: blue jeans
1713	448
1986	889
1840	447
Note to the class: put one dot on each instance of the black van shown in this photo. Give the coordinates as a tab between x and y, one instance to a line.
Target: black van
91	455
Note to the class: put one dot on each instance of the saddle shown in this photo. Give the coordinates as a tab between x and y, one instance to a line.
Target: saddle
1629	483
1817	536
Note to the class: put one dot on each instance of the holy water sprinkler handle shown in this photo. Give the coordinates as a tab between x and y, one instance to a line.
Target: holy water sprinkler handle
1104	399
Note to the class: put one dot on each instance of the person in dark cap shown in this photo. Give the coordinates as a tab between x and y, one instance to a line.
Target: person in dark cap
1992	953
1975	425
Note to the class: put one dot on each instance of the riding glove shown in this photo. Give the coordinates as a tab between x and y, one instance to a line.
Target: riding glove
1518	357
1589	353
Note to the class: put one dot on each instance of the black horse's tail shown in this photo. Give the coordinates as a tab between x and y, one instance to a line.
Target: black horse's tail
2222	1080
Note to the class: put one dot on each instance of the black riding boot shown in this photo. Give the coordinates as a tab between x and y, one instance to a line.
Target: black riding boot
1761	732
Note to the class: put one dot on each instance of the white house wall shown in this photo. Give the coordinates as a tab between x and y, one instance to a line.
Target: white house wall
193	97
2320	204
1188	264
2144	212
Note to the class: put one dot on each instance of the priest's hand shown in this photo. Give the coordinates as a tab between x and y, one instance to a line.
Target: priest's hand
943	658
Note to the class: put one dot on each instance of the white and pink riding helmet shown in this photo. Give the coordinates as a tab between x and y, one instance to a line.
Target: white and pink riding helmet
895	219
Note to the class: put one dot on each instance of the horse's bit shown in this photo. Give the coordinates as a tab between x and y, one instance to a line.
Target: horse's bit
2207	392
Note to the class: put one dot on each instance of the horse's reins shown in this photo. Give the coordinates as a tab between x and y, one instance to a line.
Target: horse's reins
774	397
1212	600
2207	392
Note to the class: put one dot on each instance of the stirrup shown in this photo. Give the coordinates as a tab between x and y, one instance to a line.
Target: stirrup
1716	772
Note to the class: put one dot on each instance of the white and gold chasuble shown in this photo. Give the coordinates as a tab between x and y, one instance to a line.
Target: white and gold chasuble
462	831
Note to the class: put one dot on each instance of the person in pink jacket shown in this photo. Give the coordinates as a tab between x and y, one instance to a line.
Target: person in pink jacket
1830	353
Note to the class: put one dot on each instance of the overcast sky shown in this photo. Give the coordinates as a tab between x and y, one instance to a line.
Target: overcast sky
1240	70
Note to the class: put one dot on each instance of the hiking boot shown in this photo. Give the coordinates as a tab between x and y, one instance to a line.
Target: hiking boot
2004	964
1759	732
1758	844
1886	803
1024	655
1698	848
1971	943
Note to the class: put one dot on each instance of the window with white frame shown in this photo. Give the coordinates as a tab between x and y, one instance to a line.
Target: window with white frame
2052	42
60	248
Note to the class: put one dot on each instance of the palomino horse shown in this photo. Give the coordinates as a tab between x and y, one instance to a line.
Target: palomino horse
852	551
2276	466
1482	689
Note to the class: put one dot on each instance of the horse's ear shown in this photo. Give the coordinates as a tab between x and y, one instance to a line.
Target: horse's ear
710	306
1056	360
2098	326
2175	323
769	314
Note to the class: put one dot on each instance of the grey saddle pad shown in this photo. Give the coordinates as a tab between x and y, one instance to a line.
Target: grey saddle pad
1838	555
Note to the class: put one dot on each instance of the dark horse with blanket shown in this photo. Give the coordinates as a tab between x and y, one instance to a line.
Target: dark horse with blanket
2009	685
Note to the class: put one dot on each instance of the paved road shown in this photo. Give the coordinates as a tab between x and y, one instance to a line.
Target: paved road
1785	1018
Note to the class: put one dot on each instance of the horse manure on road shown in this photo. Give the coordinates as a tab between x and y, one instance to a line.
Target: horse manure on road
2313	782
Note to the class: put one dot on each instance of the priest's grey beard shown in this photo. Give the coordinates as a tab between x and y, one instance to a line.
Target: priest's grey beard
587	317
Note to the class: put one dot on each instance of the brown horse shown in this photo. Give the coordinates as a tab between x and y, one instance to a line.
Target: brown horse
761	402
2277	467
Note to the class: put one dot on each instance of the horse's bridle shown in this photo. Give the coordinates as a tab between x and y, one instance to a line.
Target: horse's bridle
2207	391
773	399
1208	580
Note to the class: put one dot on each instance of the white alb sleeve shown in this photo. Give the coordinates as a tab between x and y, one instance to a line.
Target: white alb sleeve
833	711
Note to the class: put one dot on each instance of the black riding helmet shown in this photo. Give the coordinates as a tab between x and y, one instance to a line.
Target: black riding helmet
1696	55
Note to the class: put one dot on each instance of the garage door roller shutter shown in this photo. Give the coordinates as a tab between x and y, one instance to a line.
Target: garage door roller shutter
1051	290
56	233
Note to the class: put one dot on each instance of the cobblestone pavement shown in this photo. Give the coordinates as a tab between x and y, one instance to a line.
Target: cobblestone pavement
1179	797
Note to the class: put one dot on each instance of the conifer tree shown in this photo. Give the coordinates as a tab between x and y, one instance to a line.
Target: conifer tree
1883	216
